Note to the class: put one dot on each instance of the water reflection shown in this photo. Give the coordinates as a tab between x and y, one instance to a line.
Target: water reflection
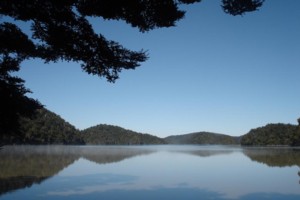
179	193
23	166
208	151
274	157
149	172
110	154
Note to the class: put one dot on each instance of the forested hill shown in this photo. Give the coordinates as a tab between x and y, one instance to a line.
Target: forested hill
273	134
49	128
108	134
45	128
202	138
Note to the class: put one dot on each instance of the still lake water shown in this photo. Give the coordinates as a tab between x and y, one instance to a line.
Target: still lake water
149	172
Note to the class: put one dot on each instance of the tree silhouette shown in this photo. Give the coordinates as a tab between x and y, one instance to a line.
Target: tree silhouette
60	30
239	7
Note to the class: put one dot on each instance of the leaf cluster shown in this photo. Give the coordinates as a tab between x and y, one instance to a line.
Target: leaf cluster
61	30
239	7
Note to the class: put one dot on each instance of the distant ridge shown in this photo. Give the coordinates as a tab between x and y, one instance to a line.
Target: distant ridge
202	138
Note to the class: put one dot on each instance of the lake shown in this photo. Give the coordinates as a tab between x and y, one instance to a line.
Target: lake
186	172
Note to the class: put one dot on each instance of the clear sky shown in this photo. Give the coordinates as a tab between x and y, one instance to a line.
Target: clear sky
212	72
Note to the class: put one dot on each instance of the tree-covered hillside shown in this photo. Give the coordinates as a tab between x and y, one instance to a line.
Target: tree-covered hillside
45	128
108	134
49	128
202	138
273	134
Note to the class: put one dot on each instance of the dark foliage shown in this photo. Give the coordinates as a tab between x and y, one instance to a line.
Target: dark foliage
14	47
44	128
14	103
239	7
61	31
273	134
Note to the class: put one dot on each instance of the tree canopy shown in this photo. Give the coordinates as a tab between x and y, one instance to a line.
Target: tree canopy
113	135
239	7
60	30
273	134
44	128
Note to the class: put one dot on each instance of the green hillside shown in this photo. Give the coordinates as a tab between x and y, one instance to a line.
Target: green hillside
112	135
49	128
45	128
273	134
202	138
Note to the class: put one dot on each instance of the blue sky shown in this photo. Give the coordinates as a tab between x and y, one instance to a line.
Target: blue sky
212	72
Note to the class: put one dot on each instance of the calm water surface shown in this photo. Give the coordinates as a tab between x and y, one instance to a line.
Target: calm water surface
149	172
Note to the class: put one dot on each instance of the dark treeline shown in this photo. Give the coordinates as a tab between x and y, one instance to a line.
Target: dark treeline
49	128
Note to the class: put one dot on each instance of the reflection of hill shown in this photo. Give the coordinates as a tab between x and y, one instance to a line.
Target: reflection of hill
274	157
39	161
23	166
207	153
207	150
103	155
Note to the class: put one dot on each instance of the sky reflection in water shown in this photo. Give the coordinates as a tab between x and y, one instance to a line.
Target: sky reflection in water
164	172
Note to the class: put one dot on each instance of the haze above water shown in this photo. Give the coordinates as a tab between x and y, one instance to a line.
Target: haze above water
149	172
